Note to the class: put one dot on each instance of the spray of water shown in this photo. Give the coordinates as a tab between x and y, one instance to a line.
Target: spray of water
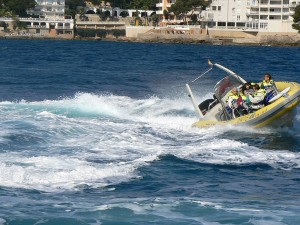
97	140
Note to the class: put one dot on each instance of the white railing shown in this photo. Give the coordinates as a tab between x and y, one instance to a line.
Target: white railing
183	26
99	23
46	19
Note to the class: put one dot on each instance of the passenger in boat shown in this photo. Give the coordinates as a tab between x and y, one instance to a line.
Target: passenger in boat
242	101
248	88
232	98
234	106
267	83
257	99
269	86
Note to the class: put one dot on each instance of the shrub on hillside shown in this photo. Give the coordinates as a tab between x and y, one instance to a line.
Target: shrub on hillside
124	14
86	32
101	33
3	24
118	33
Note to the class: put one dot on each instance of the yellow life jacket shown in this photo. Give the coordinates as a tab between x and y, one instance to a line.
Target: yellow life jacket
260	91
267	85
233	96
244	97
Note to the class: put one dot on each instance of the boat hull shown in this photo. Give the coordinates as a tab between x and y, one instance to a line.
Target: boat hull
279	113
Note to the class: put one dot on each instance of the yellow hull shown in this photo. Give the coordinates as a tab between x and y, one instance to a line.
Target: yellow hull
270	114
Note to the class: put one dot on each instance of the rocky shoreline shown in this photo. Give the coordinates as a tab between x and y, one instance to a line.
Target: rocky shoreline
277	41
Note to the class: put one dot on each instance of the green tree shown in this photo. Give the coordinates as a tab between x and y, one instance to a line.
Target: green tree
194	18
117	33
143	4
18	7
166	14
101	33
296	20
17	24
107	14
123	4
72	4
183	7
155	19
3	24
124	14
95	2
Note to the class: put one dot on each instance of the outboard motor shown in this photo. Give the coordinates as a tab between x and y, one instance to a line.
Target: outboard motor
204	106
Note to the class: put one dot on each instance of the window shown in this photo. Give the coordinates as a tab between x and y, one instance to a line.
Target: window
219	8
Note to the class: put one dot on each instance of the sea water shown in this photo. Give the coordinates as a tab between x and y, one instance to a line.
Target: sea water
100	133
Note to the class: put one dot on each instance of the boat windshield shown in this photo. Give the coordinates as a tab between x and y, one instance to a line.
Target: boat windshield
225	85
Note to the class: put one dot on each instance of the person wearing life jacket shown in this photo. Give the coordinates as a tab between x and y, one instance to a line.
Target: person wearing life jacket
243	105
270	88
233	108
267	83
257	99
232	98
248	88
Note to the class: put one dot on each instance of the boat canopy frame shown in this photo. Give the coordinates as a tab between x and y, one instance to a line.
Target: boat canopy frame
227	83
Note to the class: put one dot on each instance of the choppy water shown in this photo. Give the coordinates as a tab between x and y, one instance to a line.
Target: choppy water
100	133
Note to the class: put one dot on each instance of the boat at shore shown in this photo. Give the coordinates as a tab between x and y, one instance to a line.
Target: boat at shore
279	111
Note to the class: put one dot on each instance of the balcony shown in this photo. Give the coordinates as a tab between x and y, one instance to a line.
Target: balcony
253	6
264	4
275	12
251	12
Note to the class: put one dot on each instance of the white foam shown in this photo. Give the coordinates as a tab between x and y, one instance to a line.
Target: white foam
57	173
97	140
2	221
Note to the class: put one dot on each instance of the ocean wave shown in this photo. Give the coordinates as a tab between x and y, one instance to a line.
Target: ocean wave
98	140
59	173
86	104
171	208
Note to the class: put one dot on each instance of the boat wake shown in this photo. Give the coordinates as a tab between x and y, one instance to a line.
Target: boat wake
98	140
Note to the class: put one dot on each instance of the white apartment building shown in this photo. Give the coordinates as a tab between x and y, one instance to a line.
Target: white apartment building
255	15
51	19
51	9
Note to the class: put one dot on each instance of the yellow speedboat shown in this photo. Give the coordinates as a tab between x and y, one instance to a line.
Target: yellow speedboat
279	111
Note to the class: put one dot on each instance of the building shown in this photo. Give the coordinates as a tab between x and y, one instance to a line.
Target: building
255	15
51	9
166	16
164	5
49	19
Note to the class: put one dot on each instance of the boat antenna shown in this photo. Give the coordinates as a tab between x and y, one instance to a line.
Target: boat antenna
191	93
211	67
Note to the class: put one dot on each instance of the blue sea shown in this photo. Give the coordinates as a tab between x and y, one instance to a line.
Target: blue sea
97	132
